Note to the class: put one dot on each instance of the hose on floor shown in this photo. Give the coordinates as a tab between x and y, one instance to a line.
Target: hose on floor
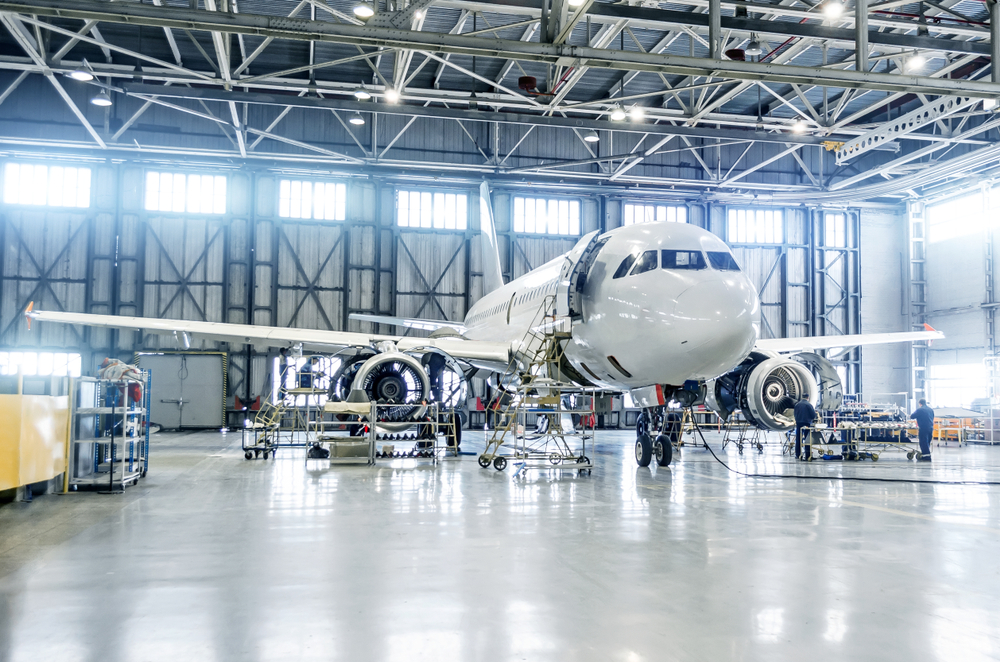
841	478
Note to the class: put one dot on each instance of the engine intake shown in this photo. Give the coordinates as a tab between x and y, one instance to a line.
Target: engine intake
764	387
393	378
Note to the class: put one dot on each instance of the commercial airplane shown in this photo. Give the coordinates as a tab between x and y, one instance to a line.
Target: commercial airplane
659	310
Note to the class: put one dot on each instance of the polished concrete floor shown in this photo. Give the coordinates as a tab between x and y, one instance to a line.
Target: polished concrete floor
216	558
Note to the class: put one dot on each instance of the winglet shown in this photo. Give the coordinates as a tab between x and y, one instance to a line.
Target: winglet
27	313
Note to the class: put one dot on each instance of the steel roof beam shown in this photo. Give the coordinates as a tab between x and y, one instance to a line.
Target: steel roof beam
208	94
306	30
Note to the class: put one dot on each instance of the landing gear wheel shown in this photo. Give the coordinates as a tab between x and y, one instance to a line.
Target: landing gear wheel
484	461
663	451
555	458
500	463
265	455
249	455
643	450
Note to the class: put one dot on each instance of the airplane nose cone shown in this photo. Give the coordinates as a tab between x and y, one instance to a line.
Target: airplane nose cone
723	316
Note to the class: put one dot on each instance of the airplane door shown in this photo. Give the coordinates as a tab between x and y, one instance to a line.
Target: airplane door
573	275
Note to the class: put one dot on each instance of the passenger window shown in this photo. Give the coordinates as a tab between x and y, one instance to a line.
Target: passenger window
624	266
683	260
645	263
723	261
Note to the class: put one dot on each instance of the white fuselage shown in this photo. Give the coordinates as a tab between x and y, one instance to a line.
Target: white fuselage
683	313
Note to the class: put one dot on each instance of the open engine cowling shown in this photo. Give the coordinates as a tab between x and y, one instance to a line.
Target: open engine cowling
764	387
393	378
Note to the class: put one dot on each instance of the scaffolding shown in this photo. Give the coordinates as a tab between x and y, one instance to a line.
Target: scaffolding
535	389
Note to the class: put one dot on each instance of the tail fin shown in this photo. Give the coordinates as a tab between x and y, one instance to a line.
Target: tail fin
492	273
27	313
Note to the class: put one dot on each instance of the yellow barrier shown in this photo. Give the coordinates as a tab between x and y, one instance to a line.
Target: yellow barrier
33	438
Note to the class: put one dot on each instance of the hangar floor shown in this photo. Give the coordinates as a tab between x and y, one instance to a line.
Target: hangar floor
216	558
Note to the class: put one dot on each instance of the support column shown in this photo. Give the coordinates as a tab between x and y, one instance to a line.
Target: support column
715	29
995	40
861	35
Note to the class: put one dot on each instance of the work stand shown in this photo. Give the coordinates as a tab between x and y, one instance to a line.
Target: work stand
536	425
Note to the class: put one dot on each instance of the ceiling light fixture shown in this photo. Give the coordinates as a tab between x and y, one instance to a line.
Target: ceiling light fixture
916	62
617	114
636	113
361	94
833	9
357	120
81	75
576	3
101	99
392	95
799	127
363	10
753	48
591	136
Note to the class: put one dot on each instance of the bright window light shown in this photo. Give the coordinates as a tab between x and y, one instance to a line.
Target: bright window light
956	385
320	200
755	226
177	192
41	364
51	186
288	378
835	225
958	217
635	213
547	216
439	210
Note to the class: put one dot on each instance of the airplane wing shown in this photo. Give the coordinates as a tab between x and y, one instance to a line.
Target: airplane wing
476	352
808	344
410	322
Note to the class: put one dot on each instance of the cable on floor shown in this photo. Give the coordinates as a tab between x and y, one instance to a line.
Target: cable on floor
842	478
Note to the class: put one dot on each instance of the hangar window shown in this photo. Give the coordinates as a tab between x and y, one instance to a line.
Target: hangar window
635	213
439	210
42	364
835	227
320	200
546	216
51	186
755	226
194	194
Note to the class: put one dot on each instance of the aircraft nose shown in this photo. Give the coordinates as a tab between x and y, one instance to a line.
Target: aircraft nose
722	315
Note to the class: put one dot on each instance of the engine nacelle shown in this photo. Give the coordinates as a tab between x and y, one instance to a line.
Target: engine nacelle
393	378
764	387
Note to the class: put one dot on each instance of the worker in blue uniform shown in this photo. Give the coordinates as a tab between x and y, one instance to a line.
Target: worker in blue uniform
924	416
805	414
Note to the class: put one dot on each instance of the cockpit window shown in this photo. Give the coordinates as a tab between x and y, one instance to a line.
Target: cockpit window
683	260
723	261
624	266
645	263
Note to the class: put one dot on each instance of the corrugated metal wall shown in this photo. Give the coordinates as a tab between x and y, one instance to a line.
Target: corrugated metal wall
250	266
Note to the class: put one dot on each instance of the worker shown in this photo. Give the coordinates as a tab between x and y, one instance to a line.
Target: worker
805	414
309	373
283	368
924	416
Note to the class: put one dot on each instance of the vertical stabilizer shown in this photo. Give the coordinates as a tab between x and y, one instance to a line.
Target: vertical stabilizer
492	273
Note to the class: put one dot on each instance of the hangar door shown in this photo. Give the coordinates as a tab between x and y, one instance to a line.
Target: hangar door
188	390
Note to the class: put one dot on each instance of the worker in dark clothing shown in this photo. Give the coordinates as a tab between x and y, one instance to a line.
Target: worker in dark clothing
924	416
805	414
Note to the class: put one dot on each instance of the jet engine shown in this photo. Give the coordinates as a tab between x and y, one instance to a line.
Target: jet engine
765	386
393	378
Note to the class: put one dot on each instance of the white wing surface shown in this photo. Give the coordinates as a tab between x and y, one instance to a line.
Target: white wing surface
473	351
812	343
409	322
